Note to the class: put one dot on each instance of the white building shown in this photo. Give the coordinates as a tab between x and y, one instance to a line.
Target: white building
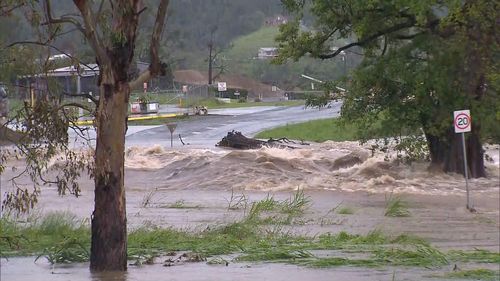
267	53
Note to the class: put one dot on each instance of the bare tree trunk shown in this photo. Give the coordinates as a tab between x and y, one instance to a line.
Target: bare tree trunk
475	155
109	223
447	153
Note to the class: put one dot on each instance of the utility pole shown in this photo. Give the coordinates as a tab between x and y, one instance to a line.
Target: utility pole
211	55
210	61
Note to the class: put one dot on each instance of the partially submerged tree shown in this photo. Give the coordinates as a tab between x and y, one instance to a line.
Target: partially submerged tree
423	60
110	28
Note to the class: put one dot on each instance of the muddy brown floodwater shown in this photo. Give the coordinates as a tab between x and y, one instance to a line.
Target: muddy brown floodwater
331	174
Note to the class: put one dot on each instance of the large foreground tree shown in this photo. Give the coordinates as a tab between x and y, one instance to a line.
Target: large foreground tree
422	61
113	41
110	28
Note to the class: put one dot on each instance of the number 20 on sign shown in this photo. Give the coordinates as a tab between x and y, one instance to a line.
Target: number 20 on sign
462	121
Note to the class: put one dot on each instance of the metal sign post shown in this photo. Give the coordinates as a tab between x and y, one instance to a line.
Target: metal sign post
466	173
463	123
171	127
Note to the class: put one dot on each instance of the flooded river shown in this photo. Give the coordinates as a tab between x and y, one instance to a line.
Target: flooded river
205	181
344	166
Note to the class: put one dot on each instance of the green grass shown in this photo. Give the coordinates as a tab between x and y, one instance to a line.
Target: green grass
69	250
178	204
51	235
408	239
345	211
61	238
318	130
474	274
237	201
417	255
478	256
275	255
344	240
396	207
247	47
281	212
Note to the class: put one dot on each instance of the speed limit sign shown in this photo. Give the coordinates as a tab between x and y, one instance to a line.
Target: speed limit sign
462	121
463	124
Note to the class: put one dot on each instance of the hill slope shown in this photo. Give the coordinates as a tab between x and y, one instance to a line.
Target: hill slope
241	58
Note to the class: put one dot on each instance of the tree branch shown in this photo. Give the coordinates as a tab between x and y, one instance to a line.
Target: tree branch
4	11
370	38
408	36
156	67
99	11
63	19
91	32
216	53
75	104
222	69
385	46
50	46
143	77
83	95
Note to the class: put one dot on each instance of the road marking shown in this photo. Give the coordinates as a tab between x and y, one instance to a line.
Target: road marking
196	133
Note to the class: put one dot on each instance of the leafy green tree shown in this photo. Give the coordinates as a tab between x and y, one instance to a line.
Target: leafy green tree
316	101
422	61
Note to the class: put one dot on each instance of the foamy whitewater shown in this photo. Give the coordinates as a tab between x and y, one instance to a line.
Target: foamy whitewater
345	166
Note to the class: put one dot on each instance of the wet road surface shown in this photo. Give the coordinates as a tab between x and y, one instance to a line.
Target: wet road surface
206	131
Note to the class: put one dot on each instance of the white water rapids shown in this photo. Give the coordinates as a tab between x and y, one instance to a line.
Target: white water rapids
343	166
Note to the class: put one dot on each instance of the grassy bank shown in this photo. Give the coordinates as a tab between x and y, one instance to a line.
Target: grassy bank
259	236
318	130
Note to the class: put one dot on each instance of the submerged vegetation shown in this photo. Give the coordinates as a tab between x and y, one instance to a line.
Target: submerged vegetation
259	236
396	207
52	235
345	211
475	274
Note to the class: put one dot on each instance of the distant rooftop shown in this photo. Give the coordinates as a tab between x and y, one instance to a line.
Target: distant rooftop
84	70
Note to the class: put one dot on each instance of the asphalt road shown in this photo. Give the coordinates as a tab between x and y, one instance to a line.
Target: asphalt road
206	131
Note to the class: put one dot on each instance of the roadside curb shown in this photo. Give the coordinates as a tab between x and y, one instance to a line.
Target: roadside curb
135	118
